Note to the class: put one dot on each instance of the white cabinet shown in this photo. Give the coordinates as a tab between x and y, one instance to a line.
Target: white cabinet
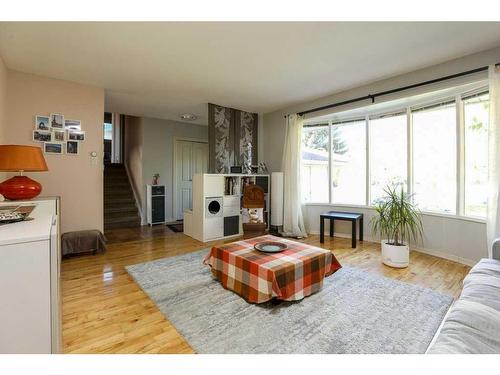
223	190
214	228
213	186
29	281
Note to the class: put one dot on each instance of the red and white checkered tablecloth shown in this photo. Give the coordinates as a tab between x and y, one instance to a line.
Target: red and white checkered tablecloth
289	275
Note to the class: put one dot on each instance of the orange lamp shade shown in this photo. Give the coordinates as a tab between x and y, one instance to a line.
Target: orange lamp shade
17	158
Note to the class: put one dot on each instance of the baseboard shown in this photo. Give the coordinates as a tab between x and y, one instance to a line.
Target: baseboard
445	255
437	253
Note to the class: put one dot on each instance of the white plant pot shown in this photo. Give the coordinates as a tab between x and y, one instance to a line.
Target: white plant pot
395	256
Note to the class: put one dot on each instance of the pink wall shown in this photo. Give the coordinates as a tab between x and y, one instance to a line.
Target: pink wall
75	178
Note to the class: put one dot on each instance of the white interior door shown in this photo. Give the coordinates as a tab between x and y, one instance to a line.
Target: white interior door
192	157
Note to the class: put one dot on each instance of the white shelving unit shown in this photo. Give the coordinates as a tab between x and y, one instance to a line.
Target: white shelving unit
216	212
30	263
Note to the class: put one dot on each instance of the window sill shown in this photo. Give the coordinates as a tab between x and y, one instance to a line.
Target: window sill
425	213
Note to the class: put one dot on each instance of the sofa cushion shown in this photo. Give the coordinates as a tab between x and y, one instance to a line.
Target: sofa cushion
470	327
483	289
487	267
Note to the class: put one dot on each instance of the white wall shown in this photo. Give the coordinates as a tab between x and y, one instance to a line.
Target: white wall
454	238
158	152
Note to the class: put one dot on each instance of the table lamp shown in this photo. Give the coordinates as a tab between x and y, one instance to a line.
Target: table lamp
17	158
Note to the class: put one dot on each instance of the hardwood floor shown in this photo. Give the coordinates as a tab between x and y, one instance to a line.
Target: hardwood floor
104	311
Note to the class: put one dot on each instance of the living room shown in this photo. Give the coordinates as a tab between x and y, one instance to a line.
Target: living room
288	201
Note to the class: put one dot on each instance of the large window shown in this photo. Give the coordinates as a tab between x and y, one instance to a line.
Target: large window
314	173
435	158
388	144
476	154
436	150
349	162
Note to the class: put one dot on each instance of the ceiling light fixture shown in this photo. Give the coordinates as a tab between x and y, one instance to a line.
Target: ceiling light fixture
188	117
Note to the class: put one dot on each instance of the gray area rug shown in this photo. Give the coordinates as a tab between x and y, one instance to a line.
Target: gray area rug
355	312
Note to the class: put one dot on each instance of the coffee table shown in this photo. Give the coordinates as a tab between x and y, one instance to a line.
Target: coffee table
259	277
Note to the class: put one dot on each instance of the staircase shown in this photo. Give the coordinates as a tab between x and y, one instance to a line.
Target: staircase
120	210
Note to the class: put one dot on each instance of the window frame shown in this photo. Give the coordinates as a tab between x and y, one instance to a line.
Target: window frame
459	97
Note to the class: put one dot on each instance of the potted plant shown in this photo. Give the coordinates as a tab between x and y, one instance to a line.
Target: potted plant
397	221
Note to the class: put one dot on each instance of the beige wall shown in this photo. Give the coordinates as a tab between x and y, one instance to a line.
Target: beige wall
133	133
3	99
76	179
158	153
149	149
3	106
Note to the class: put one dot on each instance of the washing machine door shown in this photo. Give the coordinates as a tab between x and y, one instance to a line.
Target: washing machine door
214	207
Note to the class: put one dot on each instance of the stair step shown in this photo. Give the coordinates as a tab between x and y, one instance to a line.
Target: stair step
112	176
122	225
120	218
110	193
119	201
116	180
117	185
120	207
115	172
114	166
123	211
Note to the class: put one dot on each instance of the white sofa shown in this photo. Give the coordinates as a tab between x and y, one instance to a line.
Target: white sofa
472	324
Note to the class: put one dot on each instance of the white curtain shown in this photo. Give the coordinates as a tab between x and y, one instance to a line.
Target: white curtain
493	219
293	220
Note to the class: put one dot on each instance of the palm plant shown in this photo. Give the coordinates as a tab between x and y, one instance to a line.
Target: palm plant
397	219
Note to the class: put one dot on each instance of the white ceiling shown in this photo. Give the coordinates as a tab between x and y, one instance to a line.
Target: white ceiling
166	69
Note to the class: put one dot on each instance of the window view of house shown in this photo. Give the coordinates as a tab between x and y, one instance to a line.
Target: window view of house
314	174
349	162
388	149
435	158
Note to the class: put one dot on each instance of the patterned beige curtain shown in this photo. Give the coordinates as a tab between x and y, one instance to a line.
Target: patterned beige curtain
293	221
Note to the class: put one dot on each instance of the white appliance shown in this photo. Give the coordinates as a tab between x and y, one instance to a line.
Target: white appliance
216	212
214	207
30	262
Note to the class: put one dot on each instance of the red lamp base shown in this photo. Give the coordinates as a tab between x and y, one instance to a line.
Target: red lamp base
20	187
